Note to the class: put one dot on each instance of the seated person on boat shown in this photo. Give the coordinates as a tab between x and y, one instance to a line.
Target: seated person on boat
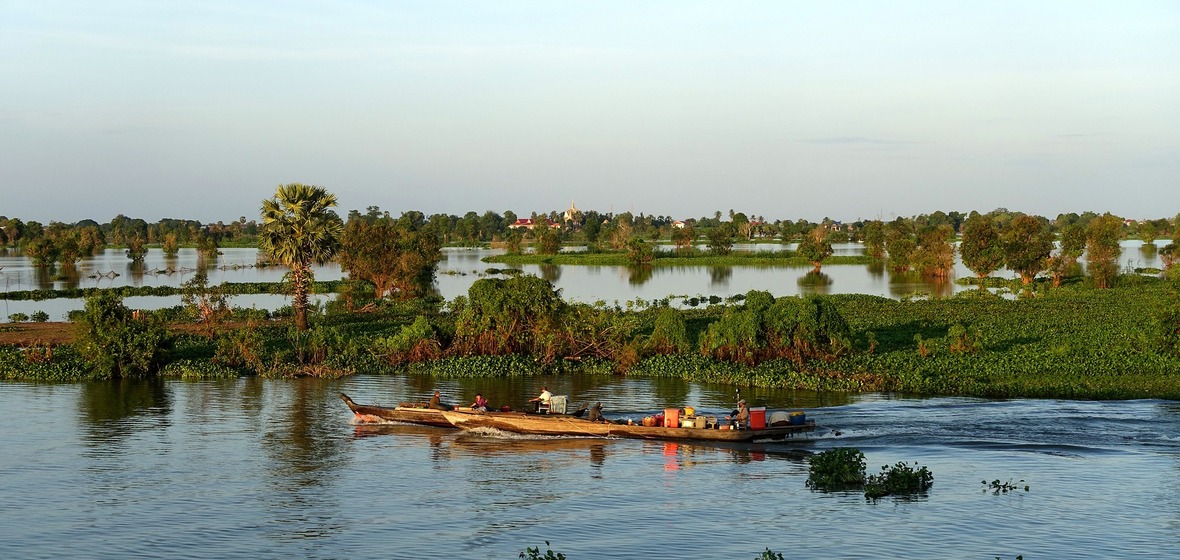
541	402
436	402
741	416
480	404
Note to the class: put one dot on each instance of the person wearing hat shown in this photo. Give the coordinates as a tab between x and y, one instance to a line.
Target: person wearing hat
741	416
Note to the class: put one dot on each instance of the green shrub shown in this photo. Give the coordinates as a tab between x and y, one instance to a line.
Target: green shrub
198	369
240	348
18	317
898	480
40	316
119	342
841	468
670	334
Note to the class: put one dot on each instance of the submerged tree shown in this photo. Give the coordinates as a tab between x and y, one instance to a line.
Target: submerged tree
300	228
900	243
816	247
981	248
171	245
874	238
394	256
136	251
1069	250
935	256
1102	249
1027	245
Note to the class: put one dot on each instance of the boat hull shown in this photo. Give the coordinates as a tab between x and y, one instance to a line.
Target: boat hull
559	425
407	413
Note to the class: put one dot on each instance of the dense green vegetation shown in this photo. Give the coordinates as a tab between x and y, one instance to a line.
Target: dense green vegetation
843	468
1102	335
1075	341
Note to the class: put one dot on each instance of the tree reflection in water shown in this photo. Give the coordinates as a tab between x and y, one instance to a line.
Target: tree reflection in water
815	283
550	272
109	409
719	275
639	275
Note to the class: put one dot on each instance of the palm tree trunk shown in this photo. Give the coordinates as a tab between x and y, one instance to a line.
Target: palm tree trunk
299	296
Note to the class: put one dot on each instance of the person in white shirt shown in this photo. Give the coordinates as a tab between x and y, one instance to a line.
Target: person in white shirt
541	402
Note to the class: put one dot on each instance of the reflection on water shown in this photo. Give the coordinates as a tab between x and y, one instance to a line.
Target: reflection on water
135	271
461	267
876	268
814	283
550	272
639	275
114	411
719	276
908	284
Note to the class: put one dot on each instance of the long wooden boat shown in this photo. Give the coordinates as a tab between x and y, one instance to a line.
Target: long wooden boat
563	425
410	413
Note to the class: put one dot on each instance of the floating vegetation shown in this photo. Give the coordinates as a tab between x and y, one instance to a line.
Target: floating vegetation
843	469
996	487
534	553
899	479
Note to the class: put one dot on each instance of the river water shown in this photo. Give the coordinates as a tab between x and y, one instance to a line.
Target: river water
461	267
255	468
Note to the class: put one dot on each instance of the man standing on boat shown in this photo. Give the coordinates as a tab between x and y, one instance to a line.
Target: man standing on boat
541	402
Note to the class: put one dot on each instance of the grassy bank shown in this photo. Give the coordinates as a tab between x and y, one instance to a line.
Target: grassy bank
1074	342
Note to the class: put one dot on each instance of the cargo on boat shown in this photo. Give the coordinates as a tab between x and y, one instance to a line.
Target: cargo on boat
671	429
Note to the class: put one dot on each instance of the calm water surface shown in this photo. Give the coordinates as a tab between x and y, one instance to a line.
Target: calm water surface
461	267
276	469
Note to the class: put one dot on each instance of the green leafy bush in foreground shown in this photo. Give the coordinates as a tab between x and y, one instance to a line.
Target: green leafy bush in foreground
119	342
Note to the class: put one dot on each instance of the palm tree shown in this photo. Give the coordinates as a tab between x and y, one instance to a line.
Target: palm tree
299	229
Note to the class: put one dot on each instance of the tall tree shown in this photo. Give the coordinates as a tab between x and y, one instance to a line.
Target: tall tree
1069	249
392	256
816	247
1102	249
721	239
874	238
935	256
900	243
981	248
1027	245
300	228
683	237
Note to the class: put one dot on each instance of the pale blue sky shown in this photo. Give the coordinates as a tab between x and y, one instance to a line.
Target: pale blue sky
782	109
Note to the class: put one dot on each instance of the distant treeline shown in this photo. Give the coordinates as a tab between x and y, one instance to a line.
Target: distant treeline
910	243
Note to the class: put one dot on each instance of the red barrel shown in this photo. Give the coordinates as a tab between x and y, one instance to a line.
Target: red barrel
758	418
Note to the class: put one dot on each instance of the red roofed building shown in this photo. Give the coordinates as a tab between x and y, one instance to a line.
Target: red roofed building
528	223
